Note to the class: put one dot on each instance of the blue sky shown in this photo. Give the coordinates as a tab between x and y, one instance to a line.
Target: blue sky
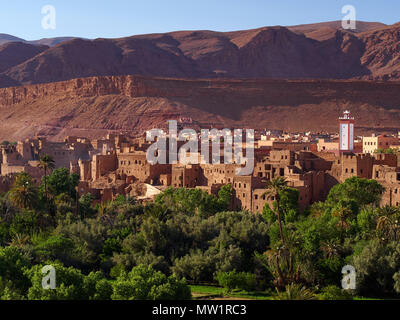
118	18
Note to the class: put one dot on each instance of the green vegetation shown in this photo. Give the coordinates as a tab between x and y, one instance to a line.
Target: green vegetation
185	238
387	151
237	280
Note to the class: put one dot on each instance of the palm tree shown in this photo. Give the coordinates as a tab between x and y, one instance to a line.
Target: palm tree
19	240
343	212
331	248
274	188
295	291
388	222
24	192
284	262
46	162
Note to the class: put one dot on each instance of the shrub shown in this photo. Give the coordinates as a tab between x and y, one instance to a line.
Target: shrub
12	269
334	293
295	292
236	280
144	283
376	267
196	266
330	270
24	223
71	284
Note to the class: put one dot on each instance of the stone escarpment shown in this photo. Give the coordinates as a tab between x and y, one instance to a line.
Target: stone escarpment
97	105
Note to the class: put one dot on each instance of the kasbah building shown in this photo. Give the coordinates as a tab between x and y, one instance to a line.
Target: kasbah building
311	163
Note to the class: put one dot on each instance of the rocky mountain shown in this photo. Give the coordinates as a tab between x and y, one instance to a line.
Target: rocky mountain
325	30
14	53
97	105
51	42
323	51
5	38
219	79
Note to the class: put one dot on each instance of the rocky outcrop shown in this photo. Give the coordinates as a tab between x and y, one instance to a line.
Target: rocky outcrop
97	105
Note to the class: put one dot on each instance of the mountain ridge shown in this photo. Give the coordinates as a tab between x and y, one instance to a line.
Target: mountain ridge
323	51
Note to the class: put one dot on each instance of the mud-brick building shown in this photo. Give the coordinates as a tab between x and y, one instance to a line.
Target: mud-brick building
244	190
311	185
6	183
187	176
274	165
102	164
312	161
371	144
63	153
294	146
104	189
15	159
351	165
135	165
218	173
385	159
389	178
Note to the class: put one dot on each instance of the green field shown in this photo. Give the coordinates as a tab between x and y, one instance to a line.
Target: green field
212	292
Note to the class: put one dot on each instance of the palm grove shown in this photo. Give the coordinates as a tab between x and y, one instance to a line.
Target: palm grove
128	250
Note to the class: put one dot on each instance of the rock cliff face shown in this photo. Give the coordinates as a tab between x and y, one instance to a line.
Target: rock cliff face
97	105
322	51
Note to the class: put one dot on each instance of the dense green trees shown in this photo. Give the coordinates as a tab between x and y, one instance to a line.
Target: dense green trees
13	265
127	250
236	280
144	283
195	201
378	268
362	191
60	181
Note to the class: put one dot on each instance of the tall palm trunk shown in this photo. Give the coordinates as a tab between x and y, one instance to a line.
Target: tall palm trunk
277	197
341	231
45	187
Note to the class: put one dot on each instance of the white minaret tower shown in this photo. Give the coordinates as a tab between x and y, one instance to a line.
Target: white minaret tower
346	132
